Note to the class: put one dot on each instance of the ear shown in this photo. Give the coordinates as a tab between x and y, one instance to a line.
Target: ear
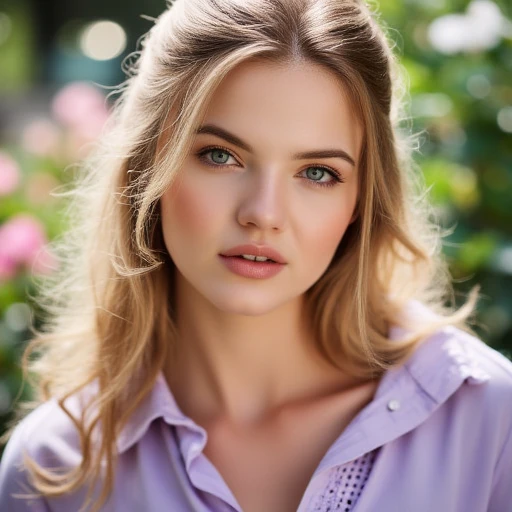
354	217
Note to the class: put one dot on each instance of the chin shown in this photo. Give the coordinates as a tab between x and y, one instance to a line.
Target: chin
234	305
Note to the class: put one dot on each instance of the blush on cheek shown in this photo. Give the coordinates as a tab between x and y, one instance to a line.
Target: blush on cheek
326	240
188	212
191	208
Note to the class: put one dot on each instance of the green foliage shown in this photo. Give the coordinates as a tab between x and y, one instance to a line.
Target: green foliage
461	101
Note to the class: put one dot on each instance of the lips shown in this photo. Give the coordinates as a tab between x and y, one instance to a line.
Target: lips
251	269
256	250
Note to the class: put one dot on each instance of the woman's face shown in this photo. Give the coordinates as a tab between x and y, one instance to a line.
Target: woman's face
258	191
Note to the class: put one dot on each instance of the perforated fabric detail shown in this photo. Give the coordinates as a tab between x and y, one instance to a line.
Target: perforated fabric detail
346	483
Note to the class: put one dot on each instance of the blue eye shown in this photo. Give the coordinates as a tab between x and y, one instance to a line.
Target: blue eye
317	174
337	177
217	155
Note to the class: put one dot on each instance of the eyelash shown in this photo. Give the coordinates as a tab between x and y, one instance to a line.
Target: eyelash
338	178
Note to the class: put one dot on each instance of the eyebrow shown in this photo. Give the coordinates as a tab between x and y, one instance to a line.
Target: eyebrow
230	137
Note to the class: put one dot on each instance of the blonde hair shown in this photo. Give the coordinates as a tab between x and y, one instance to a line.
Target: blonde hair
111	313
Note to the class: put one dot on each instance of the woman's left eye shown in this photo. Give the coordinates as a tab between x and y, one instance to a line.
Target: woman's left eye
217	156
336	176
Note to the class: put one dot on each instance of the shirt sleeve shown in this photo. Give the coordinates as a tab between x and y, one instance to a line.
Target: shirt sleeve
501	495
14	481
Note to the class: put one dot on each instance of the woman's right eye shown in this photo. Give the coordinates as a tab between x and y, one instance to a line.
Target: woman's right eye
216	156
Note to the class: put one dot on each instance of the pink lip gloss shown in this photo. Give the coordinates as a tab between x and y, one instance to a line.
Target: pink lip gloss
253	269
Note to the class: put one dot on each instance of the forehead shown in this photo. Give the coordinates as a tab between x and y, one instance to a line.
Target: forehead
292	104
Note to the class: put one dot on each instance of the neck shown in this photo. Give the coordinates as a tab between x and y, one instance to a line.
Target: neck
241	368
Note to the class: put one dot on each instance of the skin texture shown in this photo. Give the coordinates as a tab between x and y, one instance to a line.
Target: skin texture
245	346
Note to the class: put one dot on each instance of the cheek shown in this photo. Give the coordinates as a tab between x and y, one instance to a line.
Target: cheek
325	240
325	231
188	213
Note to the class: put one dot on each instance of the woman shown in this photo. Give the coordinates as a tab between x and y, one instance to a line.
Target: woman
181	373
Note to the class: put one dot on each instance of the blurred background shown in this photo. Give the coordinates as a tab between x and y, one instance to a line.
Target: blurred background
60	59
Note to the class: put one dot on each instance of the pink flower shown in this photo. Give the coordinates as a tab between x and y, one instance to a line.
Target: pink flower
82	108
41	137
9	174
22	242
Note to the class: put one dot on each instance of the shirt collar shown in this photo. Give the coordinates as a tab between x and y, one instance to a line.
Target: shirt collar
438	366
410	393
160	403
444	360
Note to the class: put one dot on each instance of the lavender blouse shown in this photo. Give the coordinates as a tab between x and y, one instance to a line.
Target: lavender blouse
437	437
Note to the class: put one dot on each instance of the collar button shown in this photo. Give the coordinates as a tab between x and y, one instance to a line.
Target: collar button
393	405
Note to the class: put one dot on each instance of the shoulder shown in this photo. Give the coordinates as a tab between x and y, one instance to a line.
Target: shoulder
48	437
451	354
479	363
494	363
458	372
482	406
463	389
463	355
469	382
47	434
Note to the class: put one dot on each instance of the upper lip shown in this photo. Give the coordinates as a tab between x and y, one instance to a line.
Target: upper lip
255	250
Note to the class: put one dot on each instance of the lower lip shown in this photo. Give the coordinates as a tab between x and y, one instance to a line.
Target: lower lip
248	268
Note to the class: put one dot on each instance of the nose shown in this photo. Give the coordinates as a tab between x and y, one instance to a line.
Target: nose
264	201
